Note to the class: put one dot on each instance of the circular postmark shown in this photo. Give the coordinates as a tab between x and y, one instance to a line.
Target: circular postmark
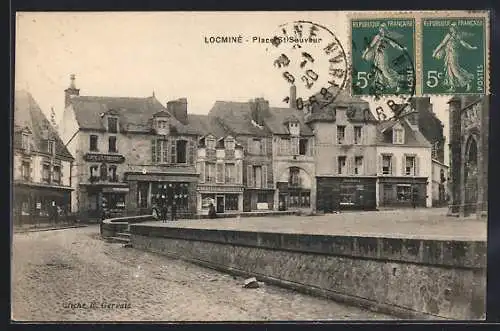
388	74
312	60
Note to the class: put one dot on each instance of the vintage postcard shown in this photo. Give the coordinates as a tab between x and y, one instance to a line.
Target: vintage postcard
250	166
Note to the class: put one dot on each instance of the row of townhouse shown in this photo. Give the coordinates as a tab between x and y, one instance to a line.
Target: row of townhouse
131	154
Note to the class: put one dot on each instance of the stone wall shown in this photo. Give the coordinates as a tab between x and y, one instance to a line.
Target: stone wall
412	278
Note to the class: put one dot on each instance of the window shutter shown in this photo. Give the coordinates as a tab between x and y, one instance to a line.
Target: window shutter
264	176
380	164
310	147
417	170
335	165
165	151
264	146
173	151
394	162
201	171
250	176
250	146
153	151
295	146
191	151
238	172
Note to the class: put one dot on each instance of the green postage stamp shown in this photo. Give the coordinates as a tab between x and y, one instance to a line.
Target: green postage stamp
383	54
453	55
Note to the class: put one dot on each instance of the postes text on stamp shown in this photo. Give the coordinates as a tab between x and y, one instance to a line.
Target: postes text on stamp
453	55
383	53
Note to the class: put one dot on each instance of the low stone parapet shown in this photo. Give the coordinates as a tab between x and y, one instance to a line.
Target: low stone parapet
110	227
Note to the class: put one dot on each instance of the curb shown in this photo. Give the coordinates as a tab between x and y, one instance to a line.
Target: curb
49	229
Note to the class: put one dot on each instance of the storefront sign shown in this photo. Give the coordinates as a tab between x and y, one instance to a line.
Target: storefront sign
115	189
262	206
109	158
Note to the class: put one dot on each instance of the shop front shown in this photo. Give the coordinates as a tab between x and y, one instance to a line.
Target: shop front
225	199
344	193
402	192
98	200
258	199
37	203
293	197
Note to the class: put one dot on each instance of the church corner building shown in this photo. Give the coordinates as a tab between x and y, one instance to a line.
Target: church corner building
41	164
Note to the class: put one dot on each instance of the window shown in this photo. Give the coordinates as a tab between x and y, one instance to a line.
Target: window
181	151
410	165
93	143
114	200
340	134
113	177
93	172
210	173
104	172
231	202
142	194
25	141
112	144
220	173
403	192
50	147
303	143
294	178
398	137
57	175
162	124
295	146
230	173
285	146
357	134
257	147
386	164
341	165
230	144
159	151
210	143
358	165
112	124
46	173
25	170
299	199
257	175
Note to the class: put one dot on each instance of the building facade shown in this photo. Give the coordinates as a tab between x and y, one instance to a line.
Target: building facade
345	154
41	165
219	164
469	120
404	164
440	175
131	154
245	122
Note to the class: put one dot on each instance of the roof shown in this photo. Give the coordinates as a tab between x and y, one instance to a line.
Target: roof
28	114
413	138
207	125
279	116
236	117
134	113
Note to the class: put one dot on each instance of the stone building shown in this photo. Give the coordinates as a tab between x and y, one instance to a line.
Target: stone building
245	122
345	154
469	120
41	166
220	165
131	153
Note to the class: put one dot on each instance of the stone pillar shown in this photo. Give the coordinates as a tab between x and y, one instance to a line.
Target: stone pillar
377	193
240	202
313	194
461	185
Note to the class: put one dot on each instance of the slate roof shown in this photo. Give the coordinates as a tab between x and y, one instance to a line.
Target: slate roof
236	118
134	113
413	138
279	116
207	125
28	114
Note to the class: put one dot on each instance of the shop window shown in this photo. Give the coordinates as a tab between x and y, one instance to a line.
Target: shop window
340	134
386	164
142	194
46	173
210	172
93	143
285	146
25	208
230	173
114	200
358	134
410	165
231	202
25	170
181	151
403	193
299	199
358	165
113	177
303	144
294	177
112	125
206	200
57	174
112	144
347	194
341	165
262	198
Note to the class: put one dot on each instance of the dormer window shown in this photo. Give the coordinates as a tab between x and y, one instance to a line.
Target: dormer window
398	136
112	124
25	141
294	128
162	124
51	147
229	144
210	142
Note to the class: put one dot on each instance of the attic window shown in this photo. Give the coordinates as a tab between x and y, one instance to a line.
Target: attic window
210	143
112	124
161	124
229	144
25	141
50	147
398	136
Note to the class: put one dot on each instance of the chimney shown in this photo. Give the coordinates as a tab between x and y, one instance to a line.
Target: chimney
293	97
71	90
178	108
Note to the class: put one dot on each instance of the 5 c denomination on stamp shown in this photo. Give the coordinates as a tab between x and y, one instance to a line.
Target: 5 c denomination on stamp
453	55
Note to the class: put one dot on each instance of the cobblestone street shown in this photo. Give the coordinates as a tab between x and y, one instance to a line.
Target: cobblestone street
72	275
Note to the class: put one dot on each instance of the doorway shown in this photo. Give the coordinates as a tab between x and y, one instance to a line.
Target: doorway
471	177
220	204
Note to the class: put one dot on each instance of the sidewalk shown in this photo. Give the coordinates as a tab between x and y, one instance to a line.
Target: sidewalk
425	223
46	227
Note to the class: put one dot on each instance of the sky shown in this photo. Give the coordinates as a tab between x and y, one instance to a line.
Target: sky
168	54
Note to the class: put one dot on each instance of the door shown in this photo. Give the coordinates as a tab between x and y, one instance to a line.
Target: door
220	204
283	202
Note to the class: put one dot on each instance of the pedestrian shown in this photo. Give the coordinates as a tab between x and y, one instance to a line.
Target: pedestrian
211	211
55	213
173	212
164	212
